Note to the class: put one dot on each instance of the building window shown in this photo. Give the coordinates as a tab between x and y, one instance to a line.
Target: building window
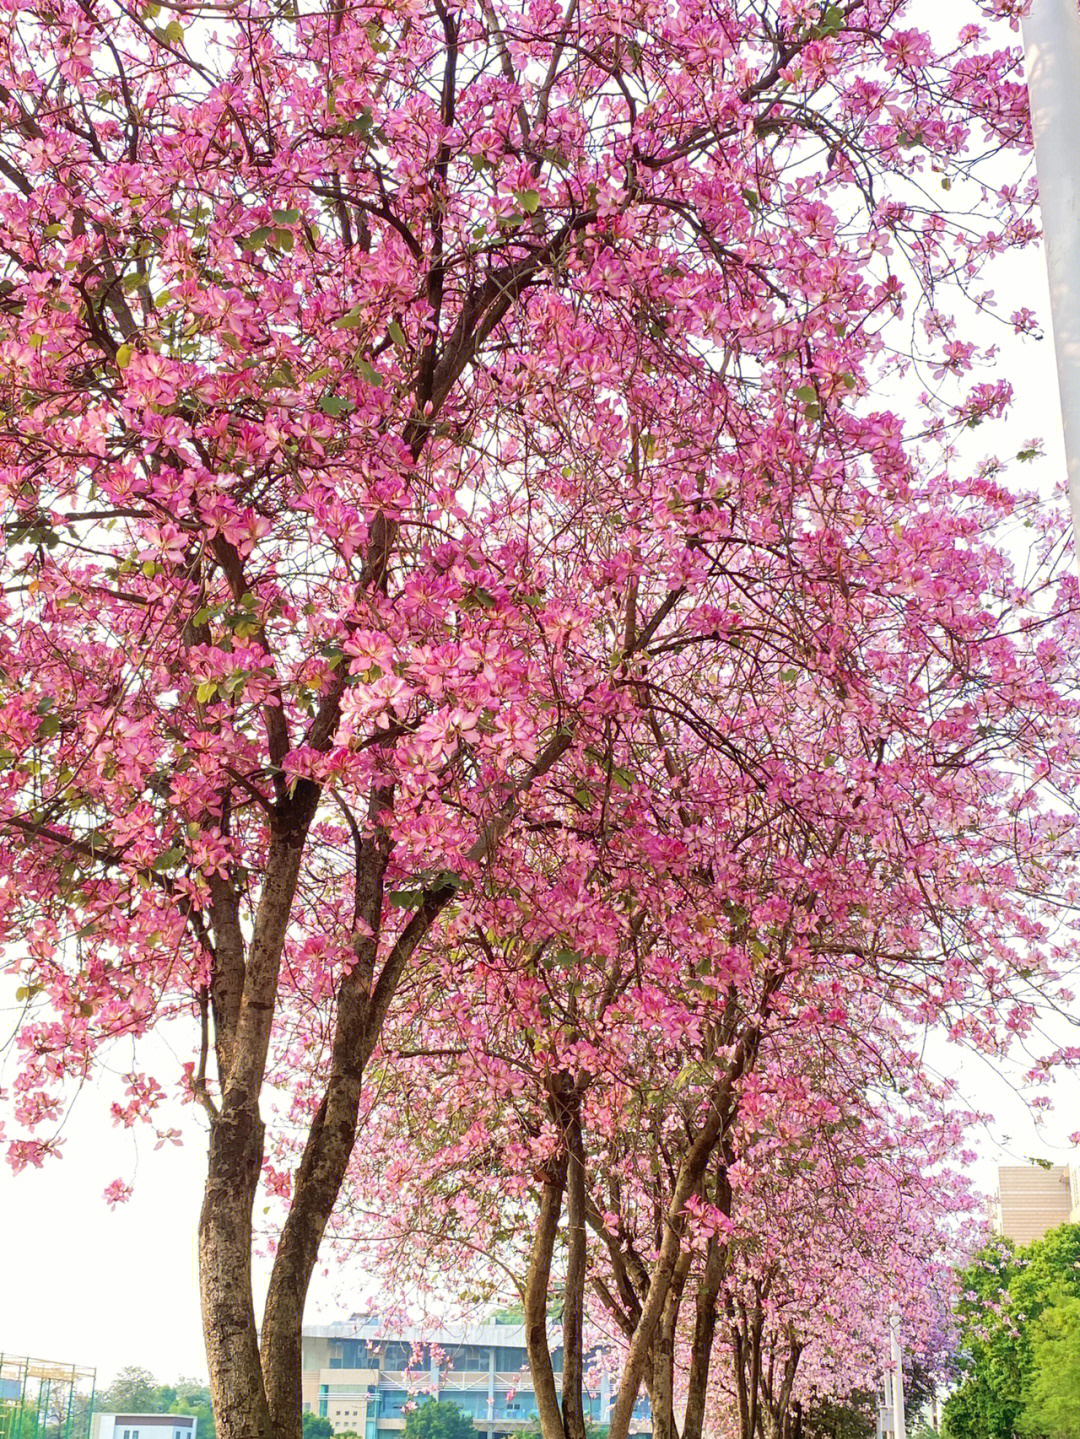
351	1354
470	1358
508	1360
397	1354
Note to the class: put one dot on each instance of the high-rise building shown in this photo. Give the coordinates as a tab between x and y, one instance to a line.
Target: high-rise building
364	1374
1033	1199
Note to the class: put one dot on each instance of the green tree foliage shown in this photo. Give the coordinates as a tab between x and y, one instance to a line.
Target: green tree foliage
193	1397
58	1416
1005	1342
136	1391
317	1426
1052	1410
438	1419
18	1420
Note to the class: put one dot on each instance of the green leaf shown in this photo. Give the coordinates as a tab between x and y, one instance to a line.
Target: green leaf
257	239
406	898
123	356
447	879
284	239
397	334
49	726
206	691
174	31
806	393
374	33
528	200
170	859
350	319
369	372
285	217
335	405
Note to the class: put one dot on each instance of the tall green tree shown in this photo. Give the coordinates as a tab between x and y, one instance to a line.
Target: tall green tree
438	1419
316	1426
1052	1410
1004	1343
134	1391
191	1396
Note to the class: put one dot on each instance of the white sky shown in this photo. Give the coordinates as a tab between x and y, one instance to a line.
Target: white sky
87	1285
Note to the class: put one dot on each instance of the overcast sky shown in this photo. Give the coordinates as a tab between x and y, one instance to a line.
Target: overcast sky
87	1285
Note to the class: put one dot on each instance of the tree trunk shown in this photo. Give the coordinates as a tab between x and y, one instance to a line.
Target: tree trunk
705	1302
244	1019
228	1308
662	1365
537	1285
573	1407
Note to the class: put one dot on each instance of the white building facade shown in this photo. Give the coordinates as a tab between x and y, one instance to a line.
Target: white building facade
143	1426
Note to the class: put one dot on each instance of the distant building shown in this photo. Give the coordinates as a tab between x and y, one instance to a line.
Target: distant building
363	1375
143	1426
1032	1200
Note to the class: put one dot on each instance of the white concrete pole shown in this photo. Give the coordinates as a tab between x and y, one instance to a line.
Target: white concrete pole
1052	55
897	1378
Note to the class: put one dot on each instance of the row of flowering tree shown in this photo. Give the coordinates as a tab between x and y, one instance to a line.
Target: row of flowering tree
453	548
786	1187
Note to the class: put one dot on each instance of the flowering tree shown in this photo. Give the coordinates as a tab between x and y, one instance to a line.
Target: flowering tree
529	1134
406	411
867	1228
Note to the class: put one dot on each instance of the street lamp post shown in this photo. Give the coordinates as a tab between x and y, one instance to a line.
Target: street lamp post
1052	58
897	1357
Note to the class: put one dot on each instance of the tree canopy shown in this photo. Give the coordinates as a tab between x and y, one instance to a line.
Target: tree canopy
316	1426
136	1391
471	620
1018	1311
438	1419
